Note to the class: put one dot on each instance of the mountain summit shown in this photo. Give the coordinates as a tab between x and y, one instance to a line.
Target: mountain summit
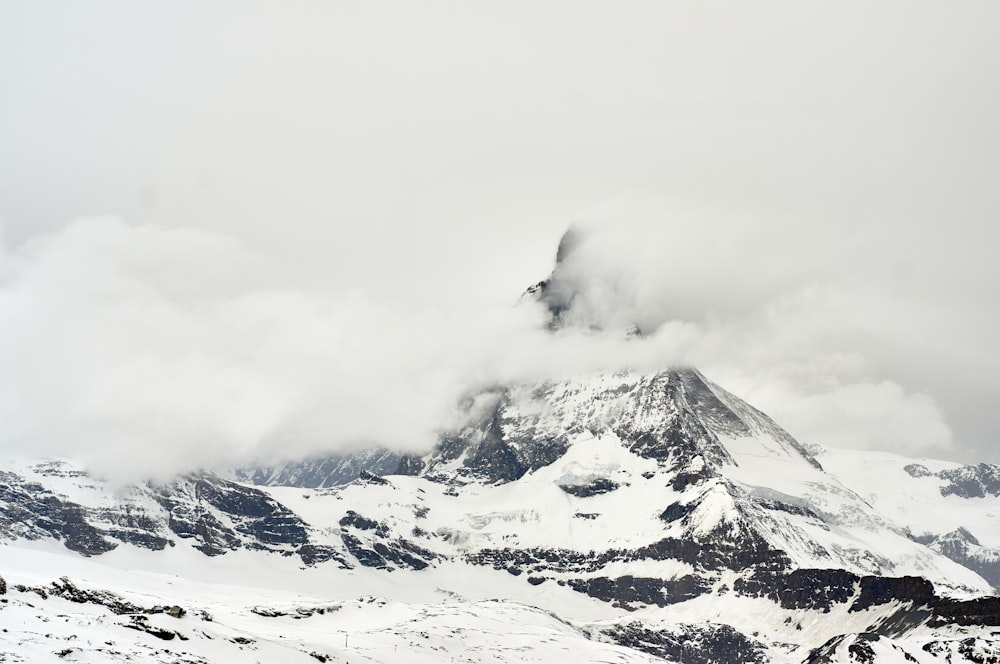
653	513
623	516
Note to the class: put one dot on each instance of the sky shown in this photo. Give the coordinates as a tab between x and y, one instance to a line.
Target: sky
252	229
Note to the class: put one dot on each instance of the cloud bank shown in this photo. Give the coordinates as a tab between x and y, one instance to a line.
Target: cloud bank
860	332
148	350
327	211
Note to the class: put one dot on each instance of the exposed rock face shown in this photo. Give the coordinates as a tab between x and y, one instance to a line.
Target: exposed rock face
692	644
630	592
802	588
971	649
486	450
972	481
29	511
980	611
637	490
864	648
962	546
593	488
323	472
68	590
218	515
382	550
252	518
917	470
670	417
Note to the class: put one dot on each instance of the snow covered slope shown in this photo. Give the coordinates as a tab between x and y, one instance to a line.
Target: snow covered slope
655	460
614	517
156	617
954	509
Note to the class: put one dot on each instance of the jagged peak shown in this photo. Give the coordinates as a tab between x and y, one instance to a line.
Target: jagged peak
671	416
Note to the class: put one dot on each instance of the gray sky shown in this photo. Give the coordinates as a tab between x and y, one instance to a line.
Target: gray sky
235	223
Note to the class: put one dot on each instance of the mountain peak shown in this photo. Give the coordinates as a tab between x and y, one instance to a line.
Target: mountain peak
670	416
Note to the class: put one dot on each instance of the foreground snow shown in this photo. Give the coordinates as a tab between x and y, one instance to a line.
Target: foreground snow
230	619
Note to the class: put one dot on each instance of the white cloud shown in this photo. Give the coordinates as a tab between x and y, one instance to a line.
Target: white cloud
852	333
147	350
333	205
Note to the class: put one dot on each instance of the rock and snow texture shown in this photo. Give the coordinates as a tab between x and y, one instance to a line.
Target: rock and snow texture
321	472
953	509
616	517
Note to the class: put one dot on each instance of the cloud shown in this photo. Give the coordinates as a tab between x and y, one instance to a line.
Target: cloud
865	415
147	350
852	331
330	210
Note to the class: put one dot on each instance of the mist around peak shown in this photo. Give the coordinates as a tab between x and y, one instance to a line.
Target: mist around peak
855	332
146	350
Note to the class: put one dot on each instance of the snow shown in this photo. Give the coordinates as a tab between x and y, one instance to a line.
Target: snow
855	533
368	628
855	514
914	502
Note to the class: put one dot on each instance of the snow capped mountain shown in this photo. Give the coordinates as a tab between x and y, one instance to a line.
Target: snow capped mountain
323	471
720	473
611	517
953	509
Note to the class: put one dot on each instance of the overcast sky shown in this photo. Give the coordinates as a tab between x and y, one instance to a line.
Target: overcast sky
239	228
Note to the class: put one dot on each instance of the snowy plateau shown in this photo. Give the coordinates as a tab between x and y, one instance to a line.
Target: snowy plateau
620	517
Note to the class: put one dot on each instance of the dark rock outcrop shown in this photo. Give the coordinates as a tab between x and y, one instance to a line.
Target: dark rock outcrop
373	545
984	611
29	510
594	488
630	592
976	481
859	650
259	522
798	589
323	472
707	643
877	590
116	604
970	649
917	470
962	546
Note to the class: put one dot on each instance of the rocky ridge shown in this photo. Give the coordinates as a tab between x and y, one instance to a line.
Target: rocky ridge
641	492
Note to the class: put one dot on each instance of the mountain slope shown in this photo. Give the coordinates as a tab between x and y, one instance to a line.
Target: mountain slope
655	511
321	472
954	509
